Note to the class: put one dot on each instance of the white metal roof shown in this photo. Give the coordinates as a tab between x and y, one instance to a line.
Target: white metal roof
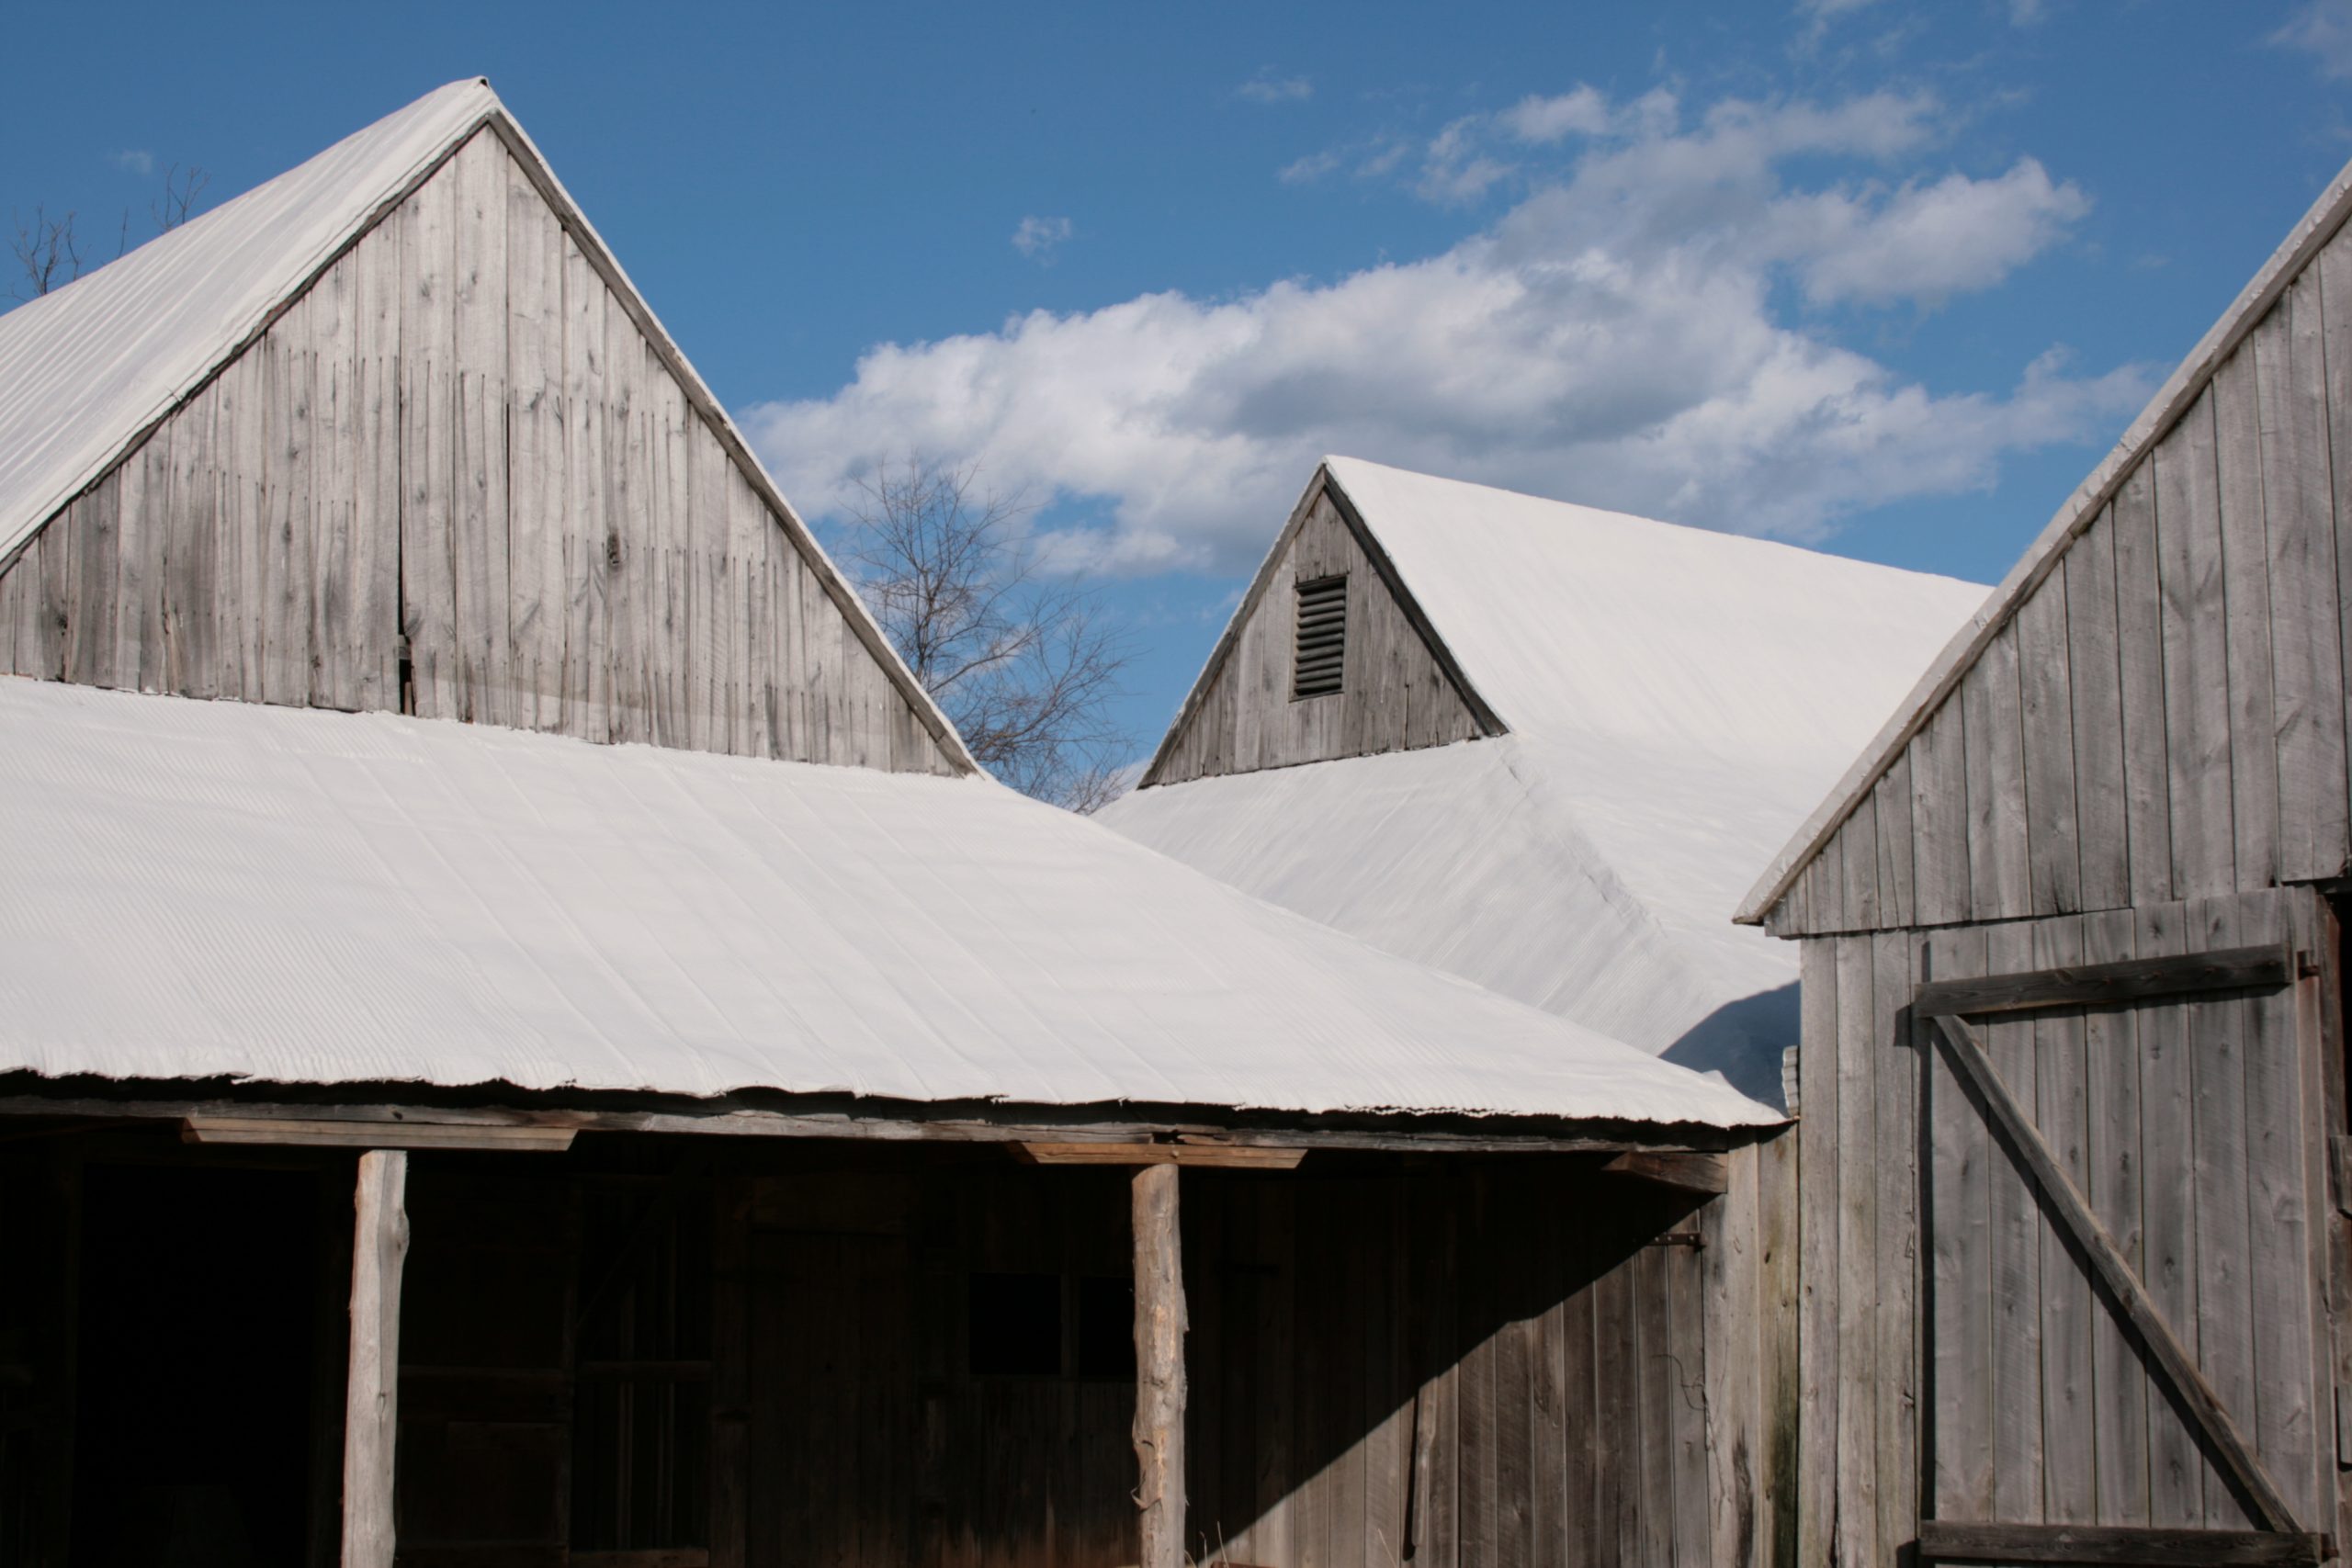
1676	700
1942	676
197	889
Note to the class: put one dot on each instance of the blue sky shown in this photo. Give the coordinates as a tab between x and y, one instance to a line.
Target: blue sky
1879	276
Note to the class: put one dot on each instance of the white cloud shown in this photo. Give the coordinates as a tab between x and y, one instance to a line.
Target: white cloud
133	161
1267	89
1537	119
1312	167
1928	242
1613	338
2323	28
1038	237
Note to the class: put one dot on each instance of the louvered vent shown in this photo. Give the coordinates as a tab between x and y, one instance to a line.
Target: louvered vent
1322	638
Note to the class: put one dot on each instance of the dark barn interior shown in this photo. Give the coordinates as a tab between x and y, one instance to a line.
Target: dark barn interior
662	1352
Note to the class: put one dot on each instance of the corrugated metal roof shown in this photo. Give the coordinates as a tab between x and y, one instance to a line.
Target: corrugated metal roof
198	889
1677	699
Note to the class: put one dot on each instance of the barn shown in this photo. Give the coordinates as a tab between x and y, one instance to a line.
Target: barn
2076	1284
1538	745
525	1039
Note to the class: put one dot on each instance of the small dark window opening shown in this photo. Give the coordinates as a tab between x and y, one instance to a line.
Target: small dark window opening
1106	1327
1015	1322
1322	639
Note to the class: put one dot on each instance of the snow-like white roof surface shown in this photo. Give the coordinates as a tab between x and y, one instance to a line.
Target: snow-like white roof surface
197	888
1677	700
86	367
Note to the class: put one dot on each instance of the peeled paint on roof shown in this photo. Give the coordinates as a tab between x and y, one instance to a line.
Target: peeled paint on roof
201	890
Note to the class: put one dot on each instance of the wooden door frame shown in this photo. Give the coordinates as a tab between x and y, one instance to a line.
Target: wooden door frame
1947	1005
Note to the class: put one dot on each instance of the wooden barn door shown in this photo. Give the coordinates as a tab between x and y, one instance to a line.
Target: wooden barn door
2124	1241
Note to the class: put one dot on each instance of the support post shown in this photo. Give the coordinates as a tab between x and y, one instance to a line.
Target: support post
371	1410
1160	1366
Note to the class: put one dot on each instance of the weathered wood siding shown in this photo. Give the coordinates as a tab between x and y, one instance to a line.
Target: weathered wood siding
1957	1362
1393	694
2164	717
456	478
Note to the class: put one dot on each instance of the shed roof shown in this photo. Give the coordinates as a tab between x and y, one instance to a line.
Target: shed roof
1675	699
89	369
1943	675
198	889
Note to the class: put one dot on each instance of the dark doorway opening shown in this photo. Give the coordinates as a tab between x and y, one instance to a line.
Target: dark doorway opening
192	1435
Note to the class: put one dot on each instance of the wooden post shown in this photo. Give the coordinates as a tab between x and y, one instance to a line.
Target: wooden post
371	1413
1159	1367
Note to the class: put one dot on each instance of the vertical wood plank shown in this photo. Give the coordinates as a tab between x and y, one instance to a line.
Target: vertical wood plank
1896	1138
2054	871
2197	705
2283	1423
372	1404
2119	1381
479	522
1991	700
2140	649
2016	1234
369	655
1859	1368
2333	271
1960	1152
2217	1049
1891	800
428	453
334	317
2307	658
2070	1482
538	519
97	586
1780	1462
1818	1355
2095	676
1730	1344
2245	589
1939	816
2177	1469
590	541
191	614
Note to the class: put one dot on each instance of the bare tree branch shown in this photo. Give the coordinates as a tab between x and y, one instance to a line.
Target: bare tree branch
47	252
181	188
1025	661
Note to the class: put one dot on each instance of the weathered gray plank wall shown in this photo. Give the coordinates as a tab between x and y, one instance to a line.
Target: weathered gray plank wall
1394	696
2164	717
1953	1350
462	435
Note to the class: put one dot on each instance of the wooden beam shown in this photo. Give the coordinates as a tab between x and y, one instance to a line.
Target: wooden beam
1945	1540
371	1414
1160	1366
2106	984
1246	1157
1690	1172
325	1133
960	1122
2230	1453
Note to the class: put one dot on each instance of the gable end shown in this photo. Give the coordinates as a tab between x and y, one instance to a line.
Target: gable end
1385	683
